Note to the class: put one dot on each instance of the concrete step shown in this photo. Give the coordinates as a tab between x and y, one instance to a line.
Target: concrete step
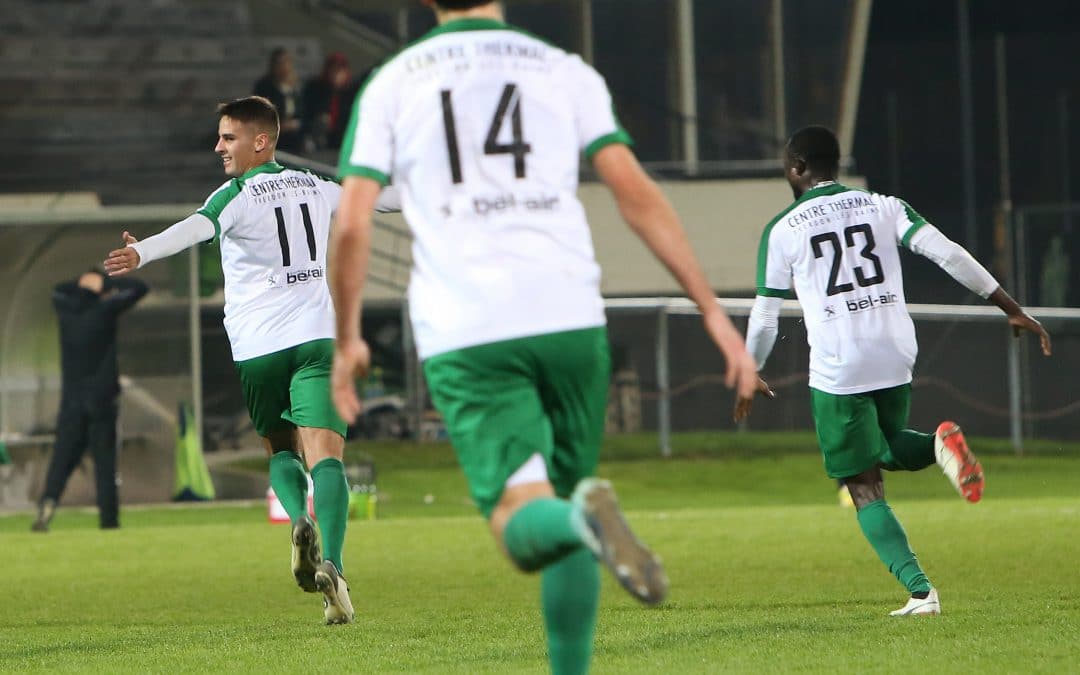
193	91
35	56
124	17
104	125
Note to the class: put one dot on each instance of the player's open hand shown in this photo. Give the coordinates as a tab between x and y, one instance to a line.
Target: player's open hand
122	260
743	404
1025	322
352	358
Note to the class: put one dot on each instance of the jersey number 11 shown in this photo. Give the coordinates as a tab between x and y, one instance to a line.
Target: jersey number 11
510	101
283	234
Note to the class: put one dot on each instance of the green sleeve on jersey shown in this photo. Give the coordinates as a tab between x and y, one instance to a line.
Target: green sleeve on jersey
917	221
785	293
365	172
618	136
217	203
763	263
344	167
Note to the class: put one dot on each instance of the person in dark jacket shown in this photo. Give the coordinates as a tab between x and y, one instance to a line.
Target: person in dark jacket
328	101
87	310
281	86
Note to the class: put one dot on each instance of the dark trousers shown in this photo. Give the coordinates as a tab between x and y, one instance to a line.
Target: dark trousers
85	425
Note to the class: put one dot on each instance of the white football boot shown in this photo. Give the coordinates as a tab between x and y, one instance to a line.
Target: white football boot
916	607
957	461
607	534
337	606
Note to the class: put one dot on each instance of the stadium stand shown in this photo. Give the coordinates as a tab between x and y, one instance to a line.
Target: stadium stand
94	93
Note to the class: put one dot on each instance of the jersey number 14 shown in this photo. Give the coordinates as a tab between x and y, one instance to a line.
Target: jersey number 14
509	102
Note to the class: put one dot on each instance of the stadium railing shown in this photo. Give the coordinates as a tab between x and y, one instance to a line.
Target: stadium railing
1062	321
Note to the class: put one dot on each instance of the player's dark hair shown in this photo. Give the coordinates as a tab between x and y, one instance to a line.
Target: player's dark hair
818	147
462	4
253	110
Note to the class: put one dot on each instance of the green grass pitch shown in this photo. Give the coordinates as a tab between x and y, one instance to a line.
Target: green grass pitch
768	575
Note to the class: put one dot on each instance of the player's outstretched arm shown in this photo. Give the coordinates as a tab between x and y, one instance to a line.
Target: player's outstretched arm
192	230
929	242
350	251
651	216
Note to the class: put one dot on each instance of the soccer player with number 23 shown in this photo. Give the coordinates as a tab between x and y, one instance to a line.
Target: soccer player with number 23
839	248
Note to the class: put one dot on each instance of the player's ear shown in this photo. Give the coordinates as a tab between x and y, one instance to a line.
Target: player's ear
262	140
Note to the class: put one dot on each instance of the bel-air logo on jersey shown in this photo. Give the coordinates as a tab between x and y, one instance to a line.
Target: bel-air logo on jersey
303	276
832	312
300	277
871	302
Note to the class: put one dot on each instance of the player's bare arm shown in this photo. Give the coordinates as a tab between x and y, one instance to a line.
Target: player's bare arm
651	216
1020	320
350	249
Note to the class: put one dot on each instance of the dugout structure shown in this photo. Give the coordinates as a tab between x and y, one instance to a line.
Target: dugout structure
157	343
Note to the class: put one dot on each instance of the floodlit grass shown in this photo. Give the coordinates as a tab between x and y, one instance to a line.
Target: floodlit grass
768	575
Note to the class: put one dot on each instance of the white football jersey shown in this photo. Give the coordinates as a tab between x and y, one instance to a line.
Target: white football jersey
273	224
482	127
838	248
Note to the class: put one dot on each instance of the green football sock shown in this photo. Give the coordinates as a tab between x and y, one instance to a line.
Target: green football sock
887	536
541	532
909	451
571	594
331	506
289	480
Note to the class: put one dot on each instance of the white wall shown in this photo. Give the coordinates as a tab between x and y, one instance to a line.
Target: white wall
723	219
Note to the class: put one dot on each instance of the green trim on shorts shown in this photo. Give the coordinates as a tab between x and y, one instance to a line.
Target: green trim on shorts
852	429
505	401
291	388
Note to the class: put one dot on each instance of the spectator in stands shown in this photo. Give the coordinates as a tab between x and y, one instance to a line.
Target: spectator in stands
281	86
328	99
87	310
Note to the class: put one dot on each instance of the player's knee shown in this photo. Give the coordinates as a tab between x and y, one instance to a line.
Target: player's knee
866	487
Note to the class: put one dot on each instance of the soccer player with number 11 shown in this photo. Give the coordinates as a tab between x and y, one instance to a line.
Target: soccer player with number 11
273	224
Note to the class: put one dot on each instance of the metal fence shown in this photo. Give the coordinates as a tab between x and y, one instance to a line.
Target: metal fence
970	366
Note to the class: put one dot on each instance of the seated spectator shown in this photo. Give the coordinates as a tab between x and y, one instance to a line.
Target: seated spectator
280	86
328	101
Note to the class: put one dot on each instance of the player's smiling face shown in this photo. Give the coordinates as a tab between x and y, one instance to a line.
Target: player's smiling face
241	146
